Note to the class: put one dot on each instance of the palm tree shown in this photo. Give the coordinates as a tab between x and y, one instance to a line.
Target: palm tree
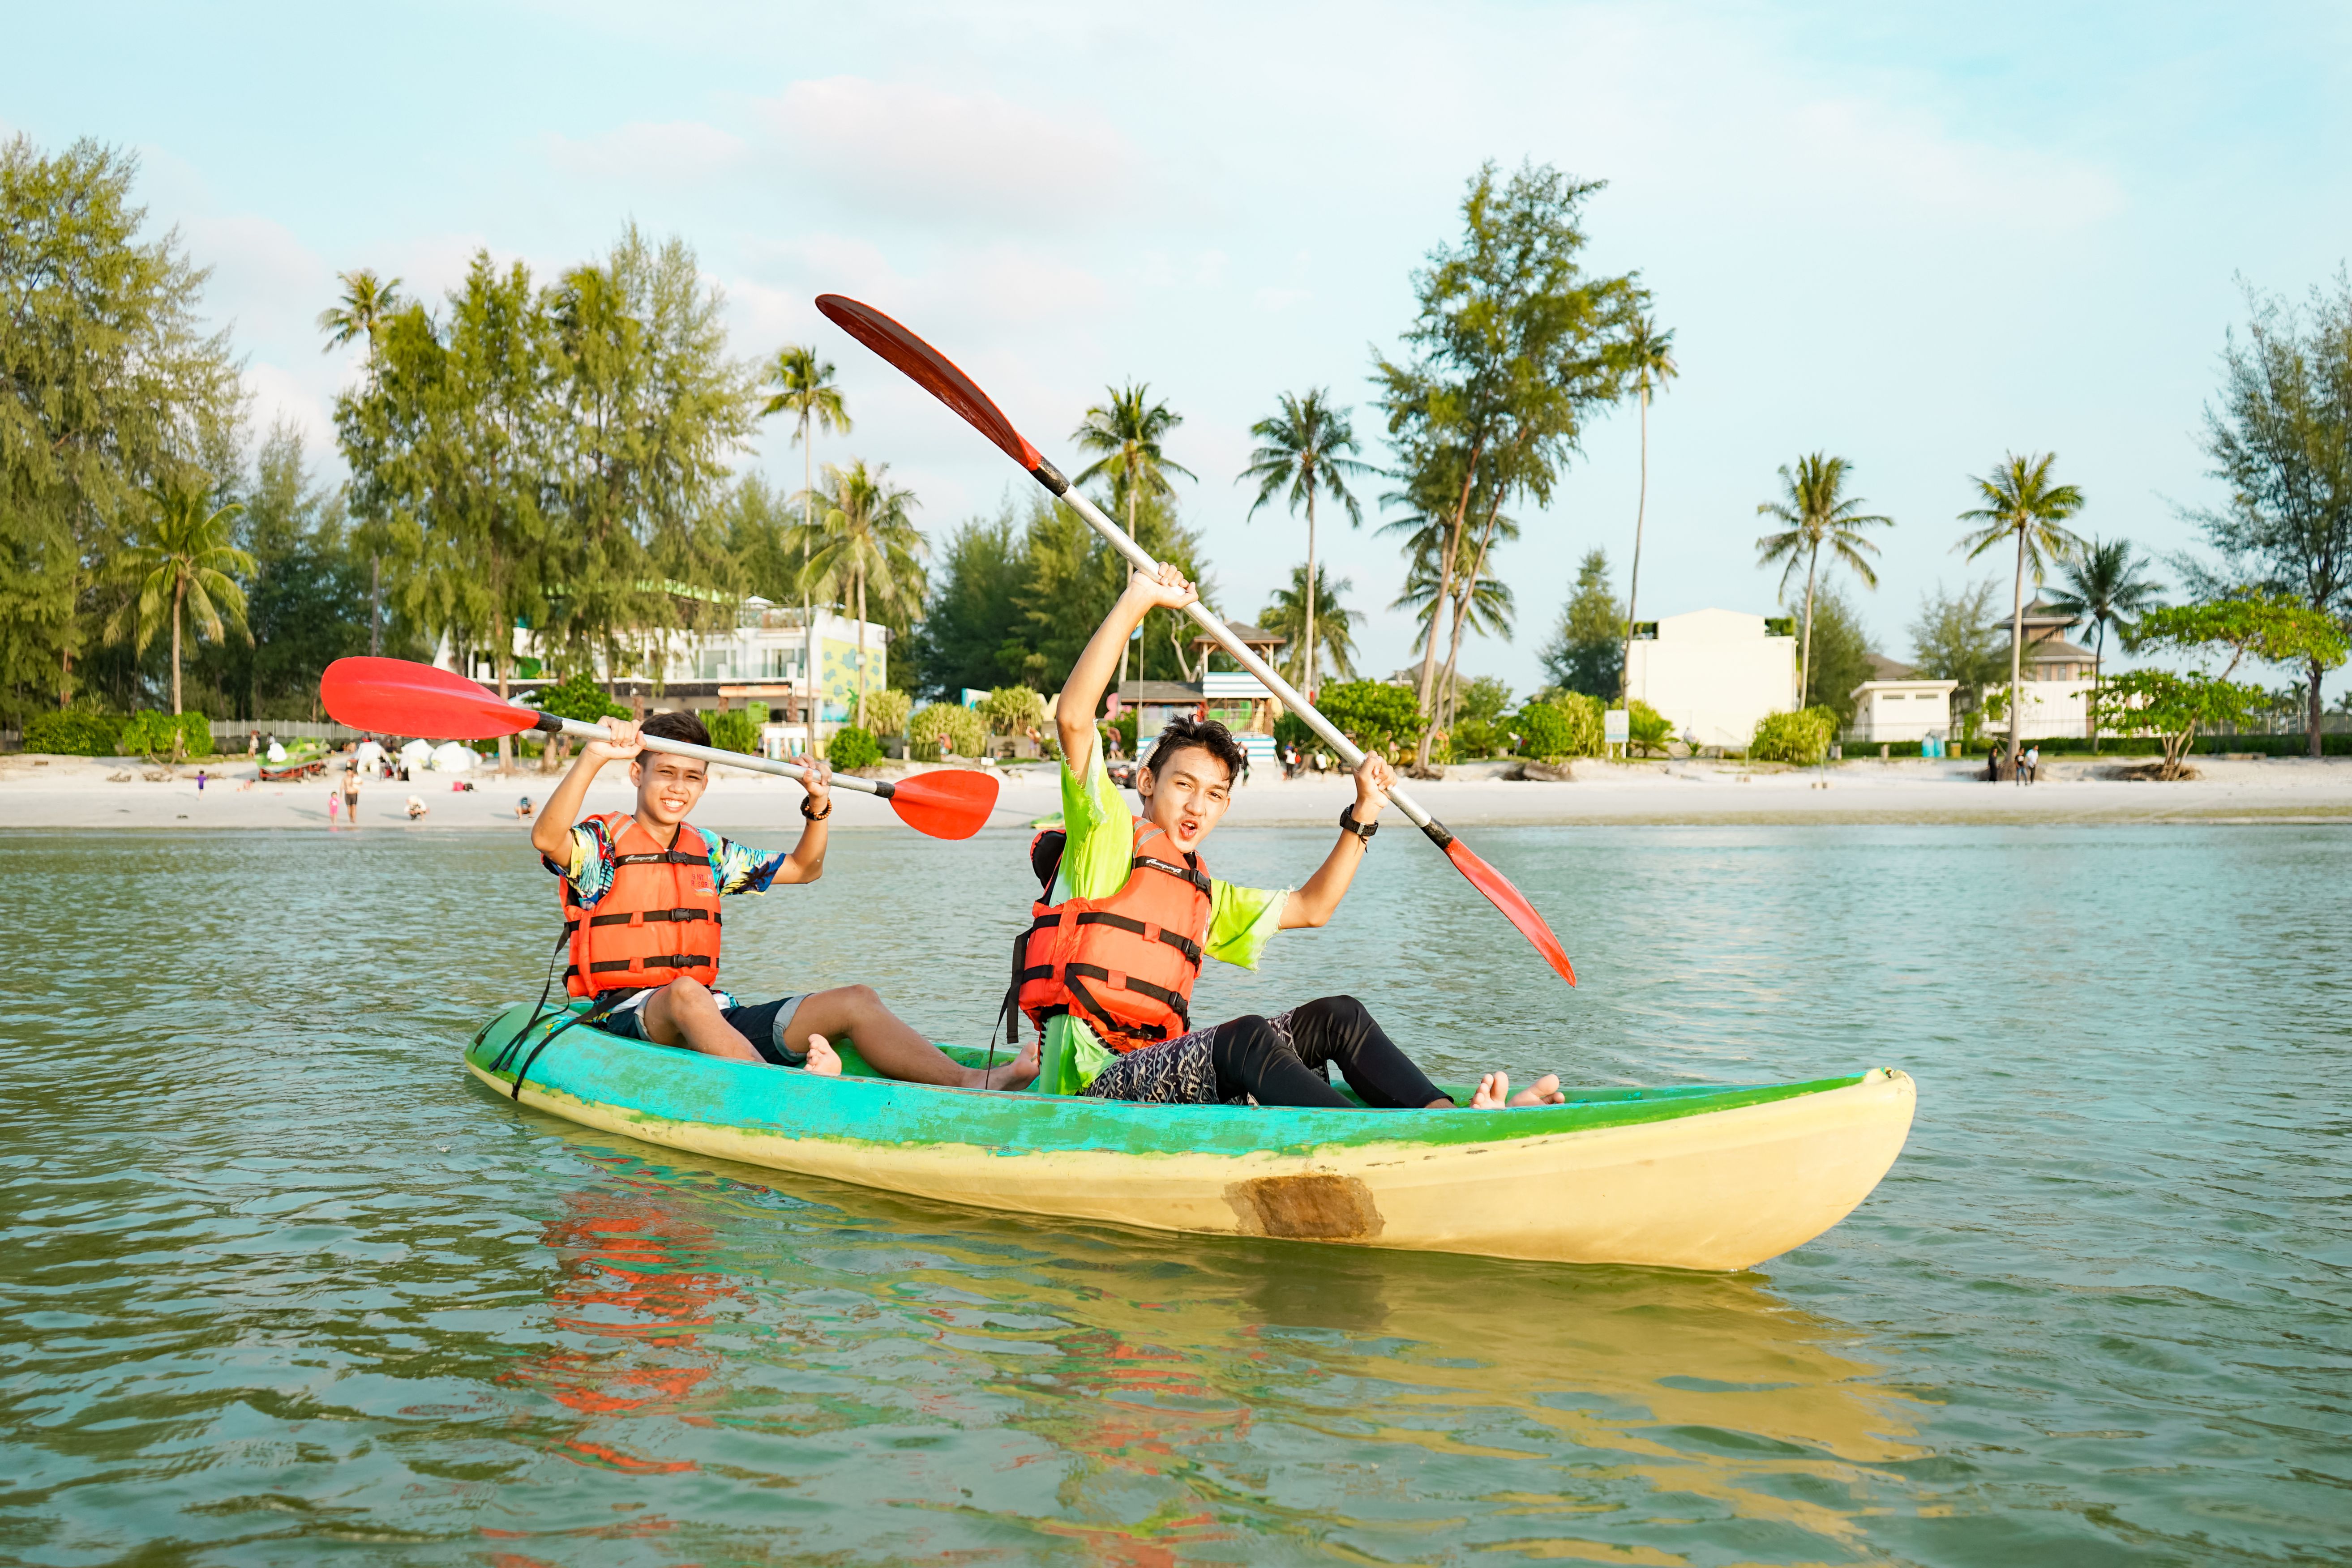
1292	610
1817	513
864	543
1128	431
2019	498
1483	603
2103	586
1304	447
1650	354
805	390
184	555
368	303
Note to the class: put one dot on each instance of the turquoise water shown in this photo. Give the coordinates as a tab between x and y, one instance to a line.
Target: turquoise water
280	1285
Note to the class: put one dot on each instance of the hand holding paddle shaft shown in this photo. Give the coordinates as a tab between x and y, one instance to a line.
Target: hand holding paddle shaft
936	374
399	697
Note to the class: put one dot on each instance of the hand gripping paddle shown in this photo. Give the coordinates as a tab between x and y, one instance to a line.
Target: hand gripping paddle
932	370
398	697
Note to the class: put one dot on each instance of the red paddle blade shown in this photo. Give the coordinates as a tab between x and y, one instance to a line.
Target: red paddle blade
1513	905
952	803
402	698
931	370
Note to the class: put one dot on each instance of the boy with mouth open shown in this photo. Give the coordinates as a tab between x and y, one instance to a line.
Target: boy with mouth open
641	891
1106	966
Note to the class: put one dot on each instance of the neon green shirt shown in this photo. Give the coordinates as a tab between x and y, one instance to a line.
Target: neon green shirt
1096	864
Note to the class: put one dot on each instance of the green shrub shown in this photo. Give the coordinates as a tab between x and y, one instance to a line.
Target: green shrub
1013	710
852	747
1291	730
1566	724
1801	738
158	736
887	711
75	732
731	729
1647	729
1373	713
966	732
578	696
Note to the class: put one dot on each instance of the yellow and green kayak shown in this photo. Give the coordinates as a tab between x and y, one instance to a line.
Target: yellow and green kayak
1704	1177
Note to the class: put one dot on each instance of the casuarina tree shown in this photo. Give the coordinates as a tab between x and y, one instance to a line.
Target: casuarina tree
1303	448
2280	440
2022	502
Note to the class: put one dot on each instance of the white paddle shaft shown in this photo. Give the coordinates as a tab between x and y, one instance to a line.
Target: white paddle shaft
577	730
1349	752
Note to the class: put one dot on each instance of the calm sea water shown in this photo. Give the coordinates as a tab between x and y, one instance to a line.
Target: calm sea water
279	1285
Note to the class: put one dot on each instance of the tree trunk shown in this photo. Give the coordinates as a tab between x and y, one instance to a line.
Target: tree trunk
2311	728
376	604
1119	690
179	593
1805	665
506	672
860	576
1461	613
1314	590
808	610
1446	556
1634	579
2017	654
2098	661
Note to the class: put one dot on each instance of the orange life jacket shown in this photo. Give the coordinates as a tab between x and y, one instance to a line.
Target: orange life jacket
1125	964
658	922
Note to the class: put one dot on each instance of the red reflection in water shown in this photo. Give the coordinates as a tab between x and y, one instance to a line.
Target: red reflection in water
626	1276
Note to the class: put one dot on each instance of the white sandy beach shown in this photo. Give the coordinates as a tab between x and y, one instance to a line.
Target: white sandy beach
83	793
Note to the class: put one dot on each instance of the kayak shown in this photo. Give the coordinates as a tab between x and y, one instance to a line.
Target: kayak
1712	1176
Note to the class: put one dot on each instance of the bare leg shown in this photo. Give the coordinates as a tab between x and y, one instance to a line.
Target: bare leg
895	1050
684	1012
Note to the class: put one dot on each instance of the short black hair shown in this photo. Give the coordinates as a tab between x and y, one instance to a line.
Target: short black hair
1205	733
682	726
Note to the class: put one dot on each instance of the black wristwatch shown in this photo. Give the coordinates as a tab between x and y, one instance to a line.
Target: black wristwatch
815	816
1363	831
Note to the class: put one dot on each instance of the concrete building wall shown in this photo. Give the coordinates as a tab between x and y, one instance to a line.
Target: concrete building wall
1714	674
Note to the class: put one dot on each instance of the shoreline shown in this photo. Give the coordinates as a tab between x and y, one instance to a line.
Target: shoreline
39	794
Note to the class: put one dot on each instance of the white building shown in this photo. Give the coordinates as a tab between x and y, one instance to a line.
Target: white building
1714	674
1895	703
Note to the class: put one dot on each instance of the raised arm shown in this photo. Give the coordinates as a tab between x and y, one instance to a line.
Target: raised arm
1315	904
1082	694
553	830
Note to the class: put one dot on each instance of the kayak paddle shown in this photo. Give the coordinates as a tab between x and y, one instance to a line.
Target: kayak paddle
932	370
404	698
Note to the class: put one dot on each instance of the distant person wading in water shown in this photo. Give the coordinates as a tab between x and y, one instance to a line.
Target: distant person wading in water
1126	914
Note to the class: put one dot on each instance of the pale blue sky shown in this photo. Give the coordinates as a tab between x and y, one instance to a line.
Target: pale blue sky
1917	236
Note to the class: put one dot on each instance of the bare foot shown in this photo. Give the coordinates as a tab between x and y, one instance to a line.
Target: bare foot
1494	1093
1018	1072
1544	1092
822	1060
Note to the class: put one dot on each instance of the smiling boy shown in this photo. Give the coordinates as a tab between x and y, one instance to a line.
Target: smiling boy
1107	967
641	893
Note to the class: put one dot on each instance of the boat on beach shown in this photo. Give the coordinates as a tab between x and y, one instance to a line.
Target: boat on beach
1710	1177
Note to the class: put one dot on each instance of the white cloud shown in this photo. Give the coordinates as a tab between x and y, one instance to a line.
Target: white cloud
646	150
925	154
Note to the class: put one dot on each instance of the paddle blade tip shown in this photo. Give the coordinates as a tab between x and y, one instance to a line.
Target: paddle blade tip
948	803
1513	905
931	370
396	697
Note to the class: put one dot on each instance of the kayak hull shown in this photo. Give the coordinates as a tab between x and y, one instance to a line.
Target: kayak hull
1707	1178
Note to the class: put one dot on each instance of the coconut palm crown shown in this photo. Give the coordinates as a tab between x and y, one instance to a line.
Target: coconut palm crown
2103	586
863	545
805	390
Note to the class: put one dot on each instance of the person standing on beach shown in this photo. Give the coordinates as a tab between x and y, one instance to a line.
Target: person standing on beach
351	791
2034	764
